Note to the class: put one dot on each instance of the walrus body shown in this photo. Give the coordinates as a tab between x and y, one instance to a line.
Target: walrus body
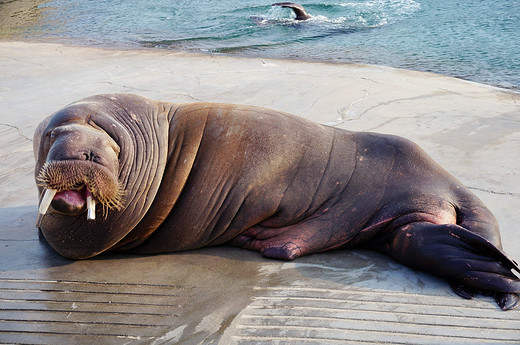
196	175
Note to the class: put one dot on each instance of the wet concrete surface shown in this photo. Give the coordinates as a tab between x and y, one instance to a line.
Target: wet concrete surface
226	295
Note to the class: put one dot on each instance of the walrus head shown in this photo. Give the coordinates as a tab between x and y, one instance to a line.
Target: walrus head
81	163
91	153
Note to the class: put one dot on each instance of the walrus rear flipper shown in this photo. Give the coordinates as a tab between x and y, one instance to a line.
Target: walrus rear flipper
468	261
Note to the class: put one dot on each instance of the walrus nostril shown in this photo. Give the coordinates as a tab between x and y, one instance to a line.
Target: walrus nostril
86	156
89	156
92	157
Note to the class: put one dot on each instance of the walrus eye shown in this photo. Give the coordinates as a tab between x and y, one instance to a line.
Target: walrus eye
52	137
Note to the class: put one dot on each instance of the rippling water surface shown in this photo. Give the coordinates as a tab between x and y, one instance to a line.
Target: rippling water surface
471	39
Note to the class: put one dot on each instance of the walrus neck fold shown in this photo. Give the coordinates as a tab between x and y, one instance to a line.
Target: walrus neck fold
183	146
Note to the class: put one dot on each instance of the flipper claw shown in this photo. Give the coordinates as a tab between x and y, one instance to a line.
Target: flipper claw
507	301
463	291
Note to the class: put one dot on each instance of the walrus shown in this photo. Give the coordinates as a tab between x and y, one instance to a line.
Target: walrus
298	9
171	177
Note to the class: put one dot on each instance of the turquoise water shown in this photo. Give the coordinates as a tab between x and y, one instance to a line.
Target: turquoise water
472	39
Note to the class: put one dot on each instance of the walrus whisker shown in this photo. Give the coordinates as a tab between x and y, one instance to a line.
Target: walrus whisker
105	211
46	200
75	175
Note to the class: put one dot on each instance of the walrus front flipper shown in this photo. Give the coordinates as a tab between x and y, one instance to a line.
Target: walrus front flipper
468	261
297	8
310	236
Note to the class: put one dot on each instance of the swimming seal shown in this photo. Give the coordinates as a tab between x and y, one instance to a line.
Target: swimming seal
169	177
297	8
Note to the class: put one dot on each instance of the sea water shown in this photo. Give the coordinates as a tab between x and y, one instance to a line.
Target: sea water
478	40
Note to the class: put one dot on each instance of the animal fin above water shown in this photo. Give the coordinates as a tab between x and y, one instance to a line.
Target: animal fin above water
298	9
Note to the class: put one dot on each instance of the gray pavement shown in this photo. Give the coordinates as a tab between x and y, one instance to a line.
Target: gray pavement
226	295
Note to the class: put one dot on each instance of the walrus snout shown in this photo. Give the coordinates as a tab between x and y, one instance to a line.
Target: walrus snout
77	185
83	142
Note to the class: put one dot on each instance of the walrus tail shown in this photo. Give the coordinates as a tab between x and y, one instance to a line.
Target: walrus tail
297	8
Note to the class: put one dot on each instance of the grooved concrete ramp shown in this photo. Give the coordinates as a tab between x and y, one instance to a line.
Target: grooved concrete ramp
236	297
53	312
227	295
362	316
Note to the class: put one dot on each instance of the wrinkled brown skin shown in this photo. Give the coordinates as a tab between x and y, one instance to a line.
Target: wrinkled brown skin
203	174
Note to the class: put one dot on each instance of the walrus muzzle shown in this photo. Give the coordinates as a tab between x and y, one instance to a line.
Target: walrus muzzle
72	184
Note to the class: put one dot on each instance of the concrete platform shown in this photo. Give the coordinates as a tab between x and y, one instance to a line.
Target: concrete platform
225	295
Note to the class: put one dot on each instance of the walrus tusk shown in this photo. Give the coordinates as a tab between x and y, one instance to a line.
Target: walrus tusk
46	200
91	208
